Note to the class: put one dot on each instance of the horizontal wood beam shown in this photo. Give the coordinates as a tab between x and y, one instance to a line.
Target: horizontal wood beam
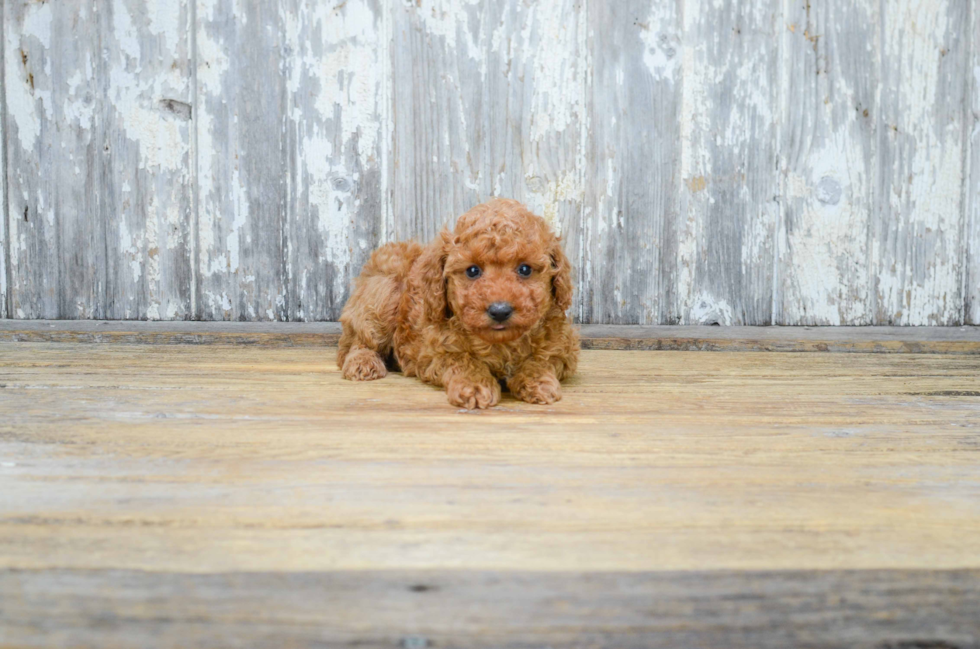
927	609
921	340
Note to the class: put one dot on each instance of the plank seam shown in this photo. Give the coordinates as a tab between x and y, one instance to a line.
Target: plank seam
966	165
584	122
878	207
387	126
916	340
195	180
7	308
967	203
782	93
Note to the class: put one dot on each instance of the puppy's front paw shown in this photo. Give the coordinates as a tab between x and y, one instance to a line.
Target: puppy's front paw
364	365
543	390
470	394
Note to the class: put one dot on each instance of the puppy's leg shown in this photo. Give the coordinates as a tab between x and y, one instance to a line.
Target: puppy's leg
368	322
371	313
468	382
536	382
363	364
472	390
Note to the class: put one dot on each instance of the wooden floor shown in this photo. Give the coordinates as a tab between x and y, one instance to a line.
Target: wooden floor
209	495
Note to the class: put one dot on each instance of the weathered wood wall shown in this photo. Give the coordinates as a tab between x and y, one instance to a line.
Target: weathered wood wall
732	161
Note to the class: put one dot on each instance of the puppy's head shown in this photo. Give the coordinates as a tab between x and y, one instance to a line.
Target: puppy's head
503	270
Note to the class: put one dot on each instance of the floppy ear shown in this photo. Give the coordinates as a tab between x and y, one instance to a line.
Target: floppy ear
428	277
561	281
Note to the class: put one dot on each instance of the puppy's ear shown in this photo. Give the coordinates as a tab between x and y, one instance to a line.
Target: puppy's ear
428	275
561	282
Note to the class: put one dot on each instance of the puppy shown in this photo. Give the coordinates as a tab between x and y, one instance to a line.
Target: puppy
480	306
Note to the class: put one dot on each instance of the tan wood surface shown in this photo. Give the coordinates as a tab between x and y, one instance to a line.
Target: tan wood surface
141	482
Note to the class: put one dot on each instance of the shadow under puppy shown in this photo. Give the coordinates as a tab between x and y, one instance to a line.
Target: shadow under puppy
481	305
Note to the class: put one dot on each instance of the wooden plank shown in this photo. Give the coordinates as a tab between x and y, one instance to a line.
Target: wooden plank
56	156
919	340
243	96
918	232
291	174
99	116
334	137
971	247
828	158
536	112
4	241
631	242
884	609
222	459
146	183
439	108
723	269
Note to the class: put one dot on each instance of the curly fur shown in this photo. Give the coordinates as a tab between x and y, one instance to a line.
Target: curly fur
415	307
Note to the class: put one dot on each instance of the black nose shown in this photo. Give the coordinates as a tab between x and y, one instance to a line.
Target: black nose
500	311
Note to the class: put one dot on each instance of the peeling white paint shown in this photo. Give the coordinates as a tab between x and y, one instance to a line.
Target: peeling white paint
212	66
3	234
446	19
531	136
709	310
22	98
162	139
662	55
919	279
558	80
129	246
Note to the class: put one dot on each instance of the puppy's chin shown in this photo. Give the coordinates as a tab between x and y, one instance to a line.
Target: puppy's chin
508	334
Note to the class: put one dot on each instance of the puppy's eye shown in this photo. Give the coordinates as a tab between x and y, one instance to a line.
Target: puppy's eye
524	270
473	272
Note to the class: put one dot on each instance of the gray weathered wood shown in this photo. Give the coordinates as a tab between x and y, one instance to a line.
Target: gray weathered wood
242	96
729	210
99	182
920	340
290	142
828	134
971	247
4	242
629	273
747	163
438	63
918	226
115	608
334	57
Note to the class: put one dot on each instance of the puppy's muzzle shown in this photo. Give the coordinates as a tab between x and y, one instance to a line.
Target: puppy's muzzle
500	311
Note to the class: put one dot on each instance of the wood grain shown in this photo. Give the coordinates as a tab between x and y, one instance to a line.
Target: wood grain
740	163
157	496
729	210
4	240
842	609
918	223
628	274
335	140
971	247
439	109
242	230
829	163
231	459
915	340
99	144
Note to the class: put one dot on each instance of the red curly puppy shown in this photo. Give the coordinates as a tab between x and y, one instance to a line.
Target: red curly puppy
478	306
